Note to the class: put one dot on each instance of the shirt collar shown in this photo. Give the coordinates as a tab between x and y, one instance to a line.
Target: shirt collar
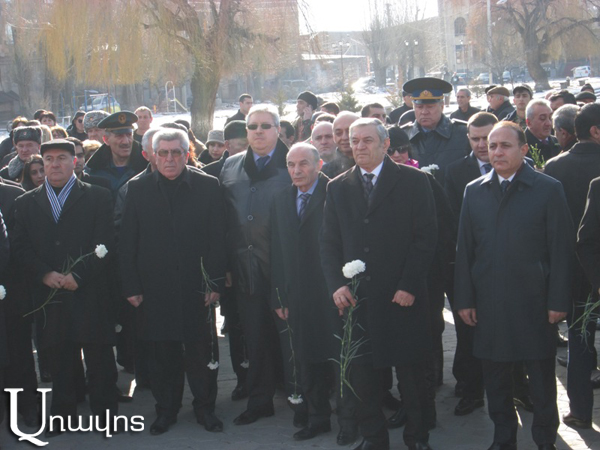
376	171
270	155
310	191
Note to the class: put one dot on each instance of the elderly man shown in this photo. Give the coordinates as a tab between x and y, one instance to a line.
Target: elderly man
54	224
465	110
539	128
322	139
435	138
174	277
250	181
295	225
393	317
585	97
27	143
575	169
498	99
522	95
246	103
90	124
343	159
513	276
120	157
563	121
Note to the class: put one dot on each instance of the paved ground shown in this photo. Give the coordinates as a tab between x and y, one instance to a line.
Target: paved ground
473	432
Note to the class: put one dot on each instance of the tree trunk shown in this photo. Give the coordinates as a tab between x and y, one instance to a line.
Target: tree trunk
23	75
533	54
380	78
204	86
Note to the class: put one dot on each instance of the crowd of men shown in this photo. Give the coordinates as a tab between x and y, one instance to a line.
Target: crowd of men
129	236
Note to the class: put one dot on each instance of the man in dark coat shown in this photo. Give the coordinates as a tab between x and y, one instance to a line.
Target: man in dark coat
435	138
27	142
393	313
298	290
498	98
62	219
342	159
120	157
245	105
513	276
173	277
465	110
394	116
250	181
575	169
539	128
563	122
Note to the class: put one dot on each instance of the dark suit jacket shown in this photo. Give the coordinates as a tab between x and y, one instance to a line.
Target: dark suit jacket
297	280
514	262
160	253
458	175
588	239
41	245
396	238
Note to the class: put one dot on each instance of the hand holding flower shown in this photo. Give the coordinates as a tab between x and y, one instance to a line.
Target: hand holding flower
343	298
53	280
68	282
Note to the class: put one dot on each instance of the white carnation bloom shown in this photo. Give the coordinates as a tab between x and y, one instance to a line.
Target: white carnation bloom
213	365
245	364
353	268
431	168
101	251
295	399
118	328
2	292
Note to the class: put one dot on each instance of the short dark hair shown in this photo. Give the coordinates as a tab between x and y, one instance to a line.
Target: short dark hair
48	114
481	119
289	128
76	142
567	97
325	117
331	107
587	117
516	128
244	97
19	120
367	109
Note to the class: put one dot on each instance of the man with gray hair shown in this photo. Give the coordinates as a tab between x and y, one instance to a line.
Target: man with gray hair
160	263
538	116
563	120
465	110
393	315
498	97
250	181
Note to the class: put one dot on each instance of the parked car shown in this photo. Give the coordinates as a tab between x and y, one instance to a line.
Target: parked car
582	72
483	78
102	102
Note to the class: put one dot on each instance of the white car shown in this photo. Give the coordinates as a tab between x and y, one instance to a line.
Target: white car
582	72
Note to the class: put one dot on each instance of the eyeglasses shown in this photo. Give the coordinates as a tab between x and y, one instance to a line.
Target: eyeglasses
176	153
402	149
263	126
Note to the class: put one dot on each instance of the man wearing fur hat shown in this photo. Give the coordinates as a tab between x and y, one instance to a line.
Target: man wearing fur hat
27	143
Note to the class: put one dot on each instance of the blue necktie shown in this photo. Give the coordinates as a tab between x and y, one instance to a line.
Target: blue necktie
303	202
262	162
368	185
504	186
487	167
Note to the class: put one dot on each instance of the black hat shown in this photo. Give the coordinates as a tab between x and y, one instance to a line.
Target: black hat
500	90
427	89
398	137
309	98
585	95
491	86
587	87
27	134
523	87
235	129
58	144
119	122
183	122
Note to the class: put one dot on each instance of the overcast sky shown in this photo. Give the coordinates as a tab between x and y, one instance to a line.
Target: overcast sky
348	15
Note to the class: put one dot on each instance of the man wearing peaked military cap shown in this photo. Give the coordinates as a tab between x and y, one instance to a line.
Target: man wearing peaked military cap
27	143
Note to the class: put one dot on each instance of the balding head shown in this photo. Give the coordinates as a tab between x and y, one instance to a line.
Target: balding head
341	131
322	139
304	164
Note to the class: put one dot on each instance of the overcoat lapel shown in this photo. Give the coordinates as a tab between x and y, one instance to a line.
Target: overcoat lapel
357	190
76	193
316	198
41	198
388	177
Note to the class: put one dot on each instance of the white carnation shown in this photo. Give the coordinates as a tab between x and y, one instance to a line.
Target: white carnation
245	364
295	399
101	251
431	168
2	292
353	268
213	365
118	328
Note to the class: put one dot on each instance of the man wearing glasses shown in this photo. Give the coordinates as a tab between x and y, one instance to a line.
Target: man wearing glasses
250	181
173	277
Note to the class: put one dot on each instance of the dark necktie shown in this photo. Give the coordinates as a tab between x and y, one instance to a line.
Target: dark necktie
368	185
504	186
303	202
262	162
487	167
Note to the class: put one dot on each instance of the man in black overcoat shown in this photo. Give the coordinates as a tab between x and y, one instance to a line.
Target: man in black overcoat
250	181
514	263
66	218
173	277
393	313
298	291
575	169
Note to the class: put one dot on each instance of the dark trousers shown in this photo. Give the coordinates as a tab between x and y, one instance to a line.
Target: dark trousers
262	343
582	361
237	344
101	372
498	381
414	390
315	380
168	361
20	373
466	367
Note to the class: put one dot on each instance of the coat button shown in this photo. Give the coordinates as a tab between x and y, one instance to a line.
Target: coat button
252	189
366	220
366	249
250	217
368	278
57	242
250	247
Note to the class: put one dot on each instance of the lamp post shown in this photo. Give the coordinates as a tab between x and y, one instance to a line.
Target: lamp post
411	47
341	45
